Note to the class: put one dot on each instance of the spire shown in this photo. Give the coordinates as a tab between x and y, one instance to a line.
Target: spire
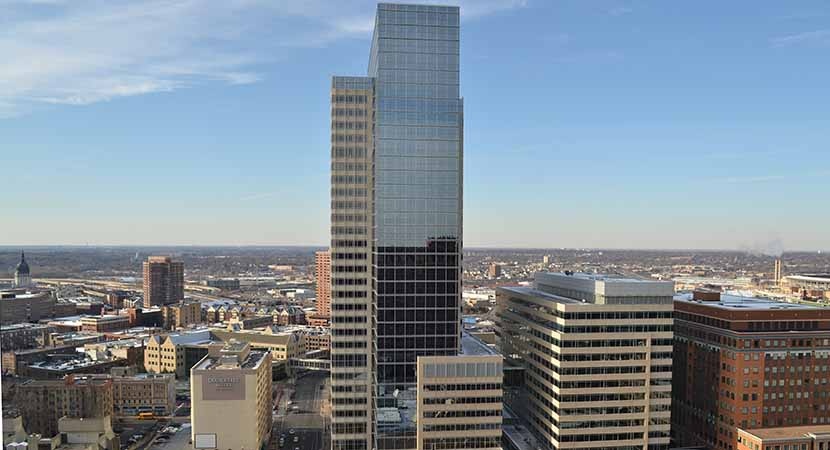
22	256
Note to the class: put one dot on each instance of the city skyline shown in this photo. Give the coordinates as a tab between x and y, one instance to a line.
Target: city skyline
592	98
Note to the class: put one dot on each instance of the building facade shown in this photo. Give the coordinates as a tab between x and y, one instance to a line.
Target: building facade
169	353
322	276
22	305
21	336
163	281
181	315
44	402
598	357
155	393
809	437
103	324
230	392
747	363
459	402
396	218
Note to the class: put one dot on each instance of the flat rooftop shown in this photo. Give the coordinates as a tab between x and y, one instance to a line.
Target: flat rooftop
473	346
533	292
822	277
253	360
790	432
736	302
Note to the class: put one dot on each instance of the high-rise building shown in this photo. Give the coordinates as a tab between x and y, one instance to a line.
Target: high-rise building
44	402
396	238
22	277
494	271
747	363
163	281
322	275
230	392
597	353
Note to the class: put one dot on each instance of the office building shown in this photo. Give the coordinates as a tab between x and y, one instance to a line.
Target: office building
809	437
597	353
322	276
396	218
22	277
43	402
459	401
747	363
230	392
163	281
26	305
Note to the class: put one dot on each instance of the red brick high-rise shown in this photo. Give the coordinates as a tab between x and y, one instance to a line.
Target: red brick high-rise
747	363
163	281
322	273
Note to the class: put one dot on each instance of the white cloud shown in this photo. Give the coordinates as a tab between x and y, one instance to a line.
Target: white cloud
85	51
807	37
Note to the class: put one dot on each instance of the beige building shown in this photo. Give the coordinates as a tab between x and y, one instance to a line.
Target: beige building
597	351
352	155
155	393
22	305
230	392
172	353
181	315
282	344
460	399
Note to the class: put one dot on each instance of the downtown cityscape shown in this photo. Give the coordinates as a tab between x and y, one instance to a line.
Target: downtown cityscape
394	334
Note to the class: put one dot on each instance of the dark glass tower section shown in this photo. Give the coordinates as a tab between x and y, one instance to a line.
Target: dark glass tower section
418	193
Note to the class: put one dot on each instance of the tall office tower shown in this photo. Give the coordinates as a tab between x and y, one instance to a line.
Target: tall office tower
396	213
597	351
322	273
163	281
749	364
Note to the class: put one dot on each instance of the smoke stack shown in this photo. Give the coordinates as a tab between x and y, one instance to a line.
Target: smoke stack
778	270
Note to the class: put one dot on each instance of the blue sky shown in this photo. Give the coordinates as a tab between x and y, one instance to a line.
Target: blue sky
617	124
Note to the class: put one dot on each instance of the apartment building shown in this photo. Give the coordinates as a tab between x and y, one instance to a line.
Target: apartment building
177	352
597	350
145	392
805	437
43	402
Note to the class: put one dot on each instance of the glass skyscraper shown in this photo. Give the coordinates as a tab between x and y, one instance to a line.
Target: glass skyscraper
397	154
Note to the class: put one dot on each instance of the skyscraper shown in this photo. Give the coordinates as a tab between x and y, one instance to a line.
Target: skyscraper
396	222
163	281
322	273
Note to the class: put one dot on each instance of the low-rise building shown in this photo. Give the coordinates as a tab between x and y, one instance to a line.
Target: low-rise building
21	336
43	403
102	324
145	392
26	305
230	392
282	344
181	315
175	353
459	403
807	437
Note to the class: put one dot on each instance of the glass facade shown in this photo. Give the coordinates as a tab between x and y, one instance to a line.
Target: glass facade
397	208
418	188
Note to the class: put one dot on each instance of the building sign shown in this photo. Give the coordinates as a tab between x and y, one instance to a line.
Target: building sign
223	387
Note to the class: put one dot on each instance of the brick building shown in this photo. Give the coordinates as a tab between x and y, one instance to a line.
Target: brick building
747	363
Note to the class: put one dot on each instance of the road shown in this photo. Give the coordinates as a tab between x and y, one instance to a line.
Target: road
310	425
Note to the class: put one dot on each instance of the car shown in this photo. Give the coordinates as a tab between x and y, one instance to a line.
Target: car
291	431
296	439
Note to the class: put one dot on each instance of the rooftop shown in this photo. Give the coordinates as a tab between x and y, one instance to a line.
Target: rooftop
473	346
822	277
805	431
530	291
737	302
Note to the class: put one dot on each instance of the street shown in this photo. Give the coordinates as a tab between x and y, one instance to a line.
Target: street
302	411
